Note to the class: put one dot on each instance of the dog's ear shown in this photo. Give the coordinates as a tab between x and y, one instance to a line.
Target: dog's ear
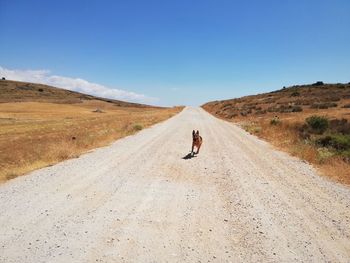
193	132
198	132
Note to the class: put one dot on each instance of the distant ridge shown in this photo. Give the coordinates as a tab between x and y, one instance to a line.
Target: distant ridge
286	100
17	91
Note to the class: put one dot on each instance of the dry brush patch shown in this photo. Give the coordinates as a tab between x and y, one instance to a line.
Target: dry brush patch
286	136
279	117
35	135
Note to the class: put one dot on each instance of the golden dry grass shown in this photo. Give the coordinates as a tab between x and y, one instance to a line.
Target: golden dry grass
38	134
285	136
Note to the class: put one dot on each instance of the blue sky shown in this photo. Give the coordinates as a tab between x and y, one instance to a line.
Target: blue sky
176	52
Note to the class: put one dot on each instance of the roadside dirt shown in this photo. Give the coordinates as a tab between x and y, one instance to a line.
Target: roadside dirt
138	200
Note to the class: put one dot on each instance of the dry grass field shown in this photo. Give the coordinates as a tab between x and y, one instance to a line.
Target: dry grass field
37	131
280	117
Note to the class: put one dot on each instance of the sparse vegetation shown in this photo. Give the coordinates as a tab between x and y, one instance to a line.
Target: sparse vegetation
324	105
295	94
332	136
313	125
275	121
252	128
324	154
339	142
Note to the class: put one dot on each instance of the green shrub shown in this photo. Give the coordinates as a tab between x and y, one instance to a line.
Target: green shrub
286	109
317	124
336	144
256	129
275	121
252	128
323	154
340	141
324	105
318	83
138	127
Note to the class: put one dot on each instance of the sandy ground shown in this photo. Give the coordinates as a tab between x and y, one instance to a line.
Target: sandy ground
138	200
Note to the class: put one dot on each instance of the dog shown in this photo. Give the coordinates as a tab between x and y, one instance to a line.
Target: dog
196	141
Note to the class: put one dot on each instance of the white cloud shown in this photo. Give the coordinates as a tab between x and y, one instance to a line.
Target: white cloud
74	84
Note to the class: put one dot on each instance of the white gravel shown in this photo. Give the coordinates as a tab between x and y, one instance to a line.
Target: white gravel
138	200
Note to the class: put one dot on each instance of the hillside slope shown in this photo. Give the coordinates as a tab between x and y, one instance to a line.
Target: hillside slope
17	91
308	121
42	125
309	98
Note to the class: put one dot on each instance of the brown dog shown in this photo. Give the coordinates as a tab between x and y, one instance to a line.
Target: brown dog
196	141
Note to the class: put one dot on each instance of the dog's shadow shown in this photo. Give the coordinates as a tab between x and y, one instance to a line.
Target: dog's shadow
189	156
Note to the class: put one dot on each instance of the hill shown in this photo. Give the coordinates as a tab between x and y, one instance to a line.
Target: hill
17	91
42	125
308	121
293	99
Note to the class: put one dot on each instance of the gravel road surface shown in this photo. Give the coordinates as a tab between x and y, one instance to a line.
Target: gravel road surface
140	200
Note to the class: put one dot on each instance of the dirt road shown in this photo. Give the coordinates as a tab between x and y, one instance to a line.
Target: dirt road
138	200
